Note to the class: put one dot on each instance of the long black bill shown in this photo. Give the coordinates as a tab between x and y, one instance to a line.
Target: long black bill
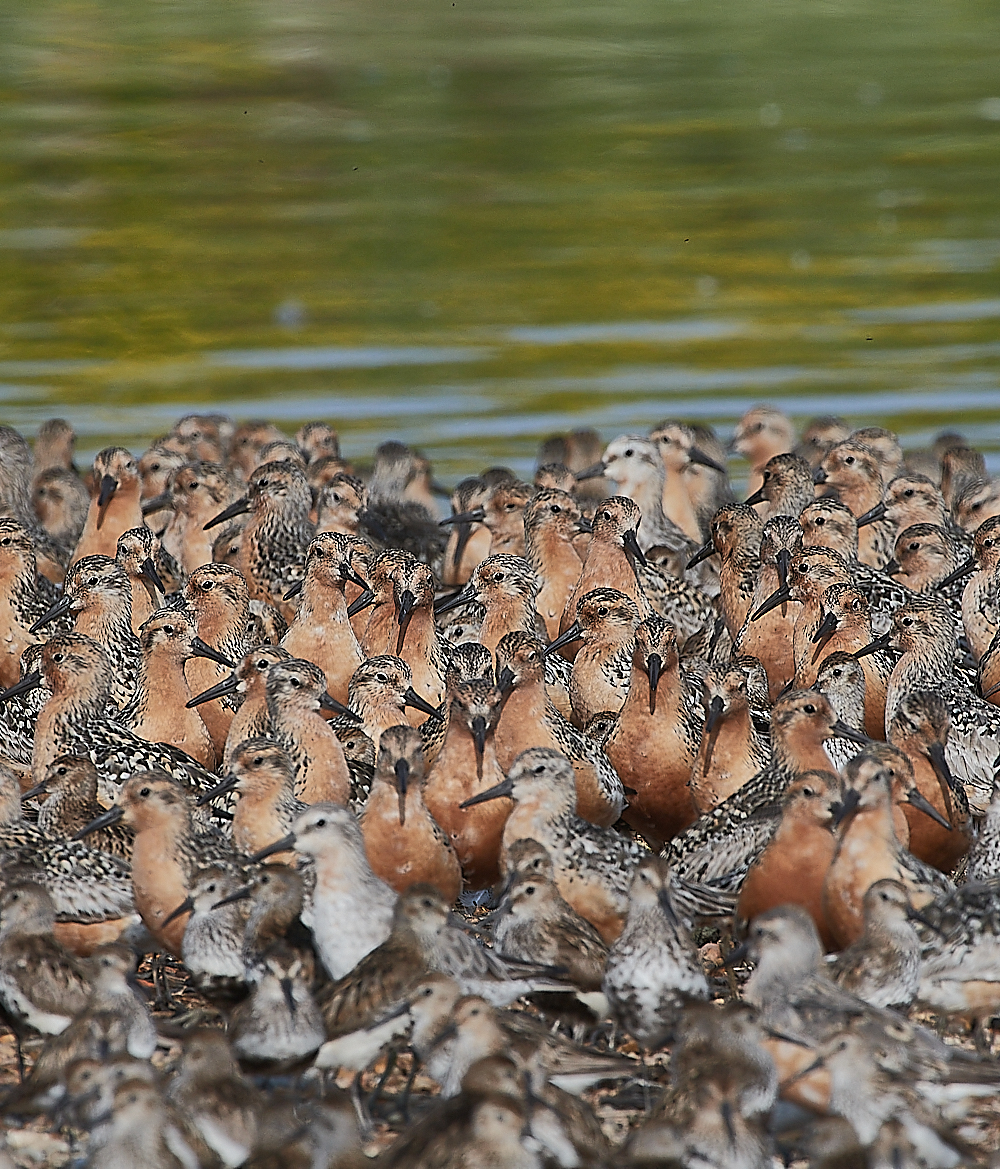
504	788
478	729
328	702
402	770
654	667
843	808
631	543
150	575
240	507
109	485
879	643
698	456
446	604
594	471
242	894
219	690
574	633
294	590
412	698
715	711
819	475
935	753
703	553
843	731
364	601
220	789
185	907
506	679
404	613
22	686
873	514
891	567
778	597
39	789
104	820
826	629
963	569
285	844
782	559
475	516
203	650
917	798
156	503
57	610
757	497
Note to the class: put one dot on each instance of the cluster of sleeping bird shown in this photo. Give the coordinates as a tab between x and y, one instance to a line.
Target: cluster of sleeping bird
273	716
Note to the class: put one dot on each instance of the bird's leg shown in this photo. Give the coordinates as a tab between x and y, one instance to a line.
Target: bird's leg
390	1063
404	1104
364	1120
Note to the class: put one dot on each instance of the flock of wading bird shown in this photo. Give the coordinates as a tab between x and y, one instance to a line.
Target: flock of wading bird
292	728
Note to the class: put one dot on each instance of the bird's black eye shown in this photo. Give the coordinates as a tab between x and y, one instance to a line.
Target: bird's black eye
145	792
820	522
907	621
211	888
530	890
499	576
809	708
914	546
5	541
766	475
849	460
154	466
511	507
261	482
602	612
556	509
295	682
908	492
629	453
169	629
321	823
539	769
258	760
808	791
57	657
381	677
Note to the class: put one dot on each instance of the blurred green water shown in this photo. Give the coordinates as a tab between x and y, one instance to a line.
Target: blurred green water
405	193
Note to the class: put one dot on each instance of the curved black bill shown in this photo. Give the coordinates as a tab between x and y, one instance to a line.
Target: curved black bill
703	553
328	702
285	844
881	642
109	485
919	801
240	507
631	543
203	650
156	503
150	574
412	698
963	569
698	456
873	514
504	788
574	633
220	789
22	686
219	690
594	471
185	907
57	610
778	597
843	731
361	602
104	820
654	667
475	516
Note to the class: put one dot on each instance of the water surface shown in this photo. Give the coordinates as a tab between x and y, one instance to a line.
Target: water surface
469	225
